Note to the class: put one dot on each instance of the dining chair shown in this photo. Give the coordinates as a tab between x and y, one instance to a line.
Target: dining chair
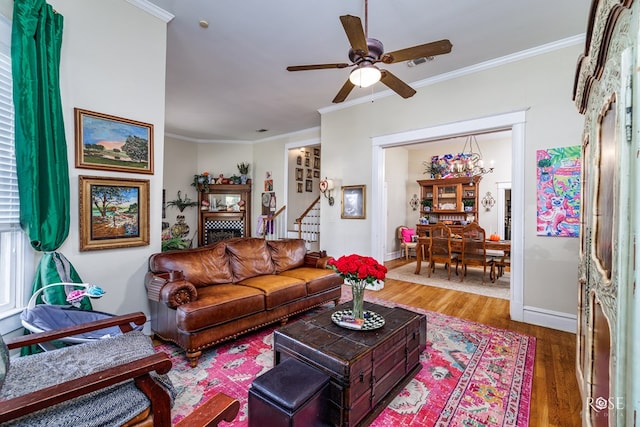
441	248
499	264
405	237
474	251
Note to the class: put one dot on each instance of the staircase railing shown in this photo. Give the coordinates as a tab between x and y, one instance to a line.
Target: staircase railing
273	226
308	224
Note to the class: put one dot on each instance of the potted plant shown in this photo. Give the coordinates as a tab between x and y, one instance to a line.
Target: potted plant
436	170
243	168
201	181
174	243
427	204
468	205
181	203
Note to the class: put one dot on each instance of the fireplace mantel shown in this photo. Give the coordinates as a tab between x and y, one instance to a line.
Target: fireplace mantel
225	212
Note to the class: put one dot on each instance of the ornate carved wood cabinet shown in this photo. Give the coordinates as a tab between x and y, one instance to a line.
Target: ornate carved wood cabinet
452	200
608	336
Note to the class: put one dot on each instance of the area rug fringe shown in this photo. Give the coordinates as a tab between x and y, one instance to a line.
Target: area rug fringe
473	375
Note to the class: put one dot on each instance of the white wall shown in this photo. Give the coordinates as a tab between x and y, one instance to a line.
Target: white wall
398	191
541	85
180	158
113	62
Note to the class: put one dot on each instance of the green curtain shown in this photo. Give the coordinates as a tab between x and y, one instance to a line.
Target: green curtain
41	147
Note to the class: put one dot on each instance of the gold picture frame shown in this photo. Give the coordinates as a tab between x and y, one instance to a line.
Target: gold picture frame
114	213
354	202
113	143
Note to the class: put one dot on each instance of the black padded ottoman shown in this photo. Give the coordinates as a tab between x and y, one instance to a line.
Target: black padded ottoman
291	394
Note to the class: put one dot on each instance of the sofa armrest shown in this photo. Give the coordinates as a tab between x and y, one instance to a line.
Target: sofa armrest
316	259
171	289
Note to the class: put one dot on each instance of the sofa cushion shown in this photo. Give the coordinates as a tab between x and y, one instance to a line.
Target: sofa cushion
317	279
249	258
219	304
202	267
287	254
278	290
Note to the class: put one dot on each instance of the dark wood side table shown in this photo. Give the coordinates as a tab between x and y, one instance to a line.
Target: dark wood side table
367	368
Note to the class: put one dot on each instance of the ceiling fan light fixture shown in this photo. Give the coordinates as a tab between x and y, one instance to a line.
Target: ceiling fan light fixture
365	75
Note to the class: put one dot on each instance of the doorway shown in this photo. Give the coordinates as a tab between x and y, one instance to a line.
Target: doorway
514	121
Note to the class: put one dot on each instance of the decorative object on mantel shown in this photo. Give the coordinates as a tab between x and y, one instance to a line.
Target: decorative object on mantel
243	168
488	201
470	163
201	181
358	271
181	203
414	202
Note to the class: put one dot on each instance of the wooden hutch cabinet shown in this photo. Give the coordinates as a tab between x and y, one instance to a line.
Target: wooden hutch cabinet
452	201
225	212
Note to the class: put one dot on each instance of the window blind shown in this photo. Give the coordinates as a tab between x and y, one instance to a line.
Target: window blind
9	200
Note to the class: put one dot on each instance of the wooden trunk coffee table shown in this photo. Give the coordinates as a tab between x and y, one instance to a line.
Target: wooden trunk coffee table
367	368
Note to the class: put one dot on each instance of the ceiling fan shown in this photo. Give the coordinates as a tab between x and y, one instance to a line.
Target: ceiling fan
365	52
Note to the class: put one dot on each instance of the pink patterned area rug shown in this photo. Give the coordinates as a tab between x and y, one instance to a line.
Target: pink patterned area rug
472	375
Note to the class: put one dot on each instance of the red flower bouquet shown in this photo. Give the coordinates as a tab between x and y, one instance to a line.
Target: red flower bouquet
358	271
356	268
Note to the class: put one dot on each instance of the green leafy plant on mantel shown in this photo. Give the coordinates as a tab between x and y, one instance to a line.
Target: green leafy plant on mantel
243	168
181	203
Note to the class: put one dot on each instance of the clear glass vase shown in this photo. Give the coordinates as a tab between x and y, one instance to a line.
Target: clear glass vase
357	289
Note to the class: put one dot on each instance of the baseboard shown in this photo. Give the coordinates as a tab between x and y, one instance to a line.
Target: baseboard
550	319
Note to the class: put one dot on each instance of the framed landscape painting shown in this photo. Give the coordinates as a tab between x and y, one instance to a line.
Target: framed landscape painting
113	143
114	213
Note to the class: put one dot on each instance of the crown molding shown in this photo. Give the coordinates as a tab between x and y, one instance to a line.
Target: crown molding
497	62
152	9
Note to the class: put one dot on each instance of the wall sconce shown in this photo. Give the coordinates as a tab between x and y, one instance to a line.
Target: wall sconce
488	201
414	202
326	188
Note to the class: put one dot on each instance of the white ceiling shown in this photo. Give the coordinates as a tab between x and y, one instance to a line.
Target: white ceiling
229	80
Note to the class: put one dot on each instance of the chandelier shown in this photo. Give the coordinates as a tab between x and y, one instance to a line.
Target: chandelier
468	162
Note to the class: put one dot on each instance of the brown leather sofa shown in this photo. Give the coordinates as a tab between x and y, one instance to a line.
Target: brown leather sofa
201	297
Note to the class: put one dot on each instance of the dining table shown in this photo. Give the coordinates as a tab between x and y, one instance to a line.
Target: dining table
503	246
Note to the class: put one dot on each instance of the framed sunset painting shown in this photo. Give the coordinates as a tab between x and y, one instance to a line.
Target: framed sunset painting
113	143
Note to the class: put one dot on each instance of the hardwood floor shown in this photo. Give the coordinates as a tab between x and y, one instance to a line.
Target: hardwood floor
555	398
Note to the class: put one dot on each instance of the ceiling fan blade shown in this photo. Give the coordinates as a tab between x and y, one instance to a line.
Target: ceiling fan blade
397	85
316	66
345	90
421	51
353	27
